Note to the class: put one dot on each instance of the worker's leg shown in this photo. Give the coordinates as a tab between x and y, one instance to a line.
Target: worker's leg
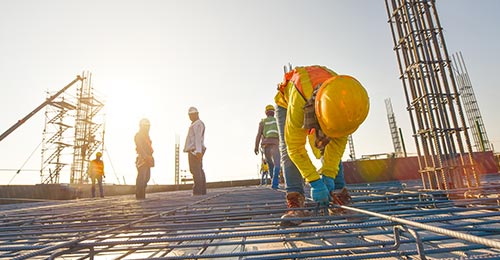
93	187
99	181
143	176
196	170
293	179
272	154
275	153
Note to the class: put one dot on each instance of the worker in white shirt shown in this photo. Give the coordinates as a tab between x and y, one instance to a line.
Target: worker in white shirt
195	148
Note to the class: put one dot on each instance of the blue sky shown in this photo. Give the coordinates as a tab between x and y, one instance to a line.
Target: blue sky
155	59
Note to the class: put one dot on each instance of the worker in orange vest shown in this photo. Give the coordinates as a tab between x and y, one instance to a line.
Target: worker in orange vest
96	173
316	104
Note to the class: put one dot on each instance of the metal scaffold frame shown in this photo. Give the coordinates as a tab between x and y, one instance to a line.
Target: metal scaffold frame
471	105
438	123
89	131
80	113
56	139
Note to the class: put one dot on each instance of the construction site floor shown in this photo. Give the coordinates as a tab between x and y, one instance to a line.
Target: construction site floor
387	221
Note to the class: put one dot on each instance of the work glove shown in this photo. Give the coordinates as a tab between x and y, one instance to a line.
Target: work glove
329	182
319	192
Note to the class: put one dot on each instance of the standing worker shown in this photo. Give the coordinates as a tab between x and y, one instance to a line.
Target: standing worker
195	147
264	172
144	160
96	173
268	138
317	104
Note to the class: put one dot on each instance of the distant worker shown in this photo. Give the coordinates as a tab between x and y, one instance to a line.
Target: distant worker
96	173
264	172
268	138
144	160
315	103
195	147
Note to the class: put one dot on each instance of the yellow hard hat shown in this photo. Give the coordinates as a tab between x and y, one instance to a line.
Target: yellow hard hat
269	108
341	105
98	154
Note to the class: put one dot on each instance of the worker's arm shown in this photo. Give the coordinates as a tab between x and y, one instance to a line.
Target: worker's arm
198	129
296	136
258	137
332	156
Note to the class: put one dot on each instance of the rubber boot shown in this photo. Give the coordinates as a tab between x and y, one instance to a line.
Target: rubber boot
294	200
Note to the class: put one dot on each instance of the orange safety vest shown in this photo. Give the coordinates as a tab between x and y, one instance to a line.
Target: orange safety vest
96	168
305	79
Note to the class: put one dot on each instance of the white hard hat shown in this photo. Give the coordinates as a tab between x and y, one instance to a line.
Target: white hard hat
192	110
144	122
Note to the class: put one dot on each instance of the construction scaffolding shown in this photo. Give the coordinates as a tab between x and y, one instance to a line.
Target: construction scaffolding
56	138
71	121
476	124
438	123
89	129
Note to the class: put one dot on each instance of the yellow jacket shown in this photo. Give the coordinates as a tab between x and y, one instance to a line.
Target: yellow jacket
293	92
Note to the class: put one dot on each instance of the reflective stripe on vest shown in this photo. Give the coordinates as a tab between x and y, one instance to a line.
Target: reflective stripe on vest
270	127
97	167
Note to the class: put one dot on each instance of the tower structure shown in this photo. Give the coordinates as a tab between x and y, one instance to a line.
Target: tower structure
89	129
396	140
177	169
476	124
352	153
436	115
56	138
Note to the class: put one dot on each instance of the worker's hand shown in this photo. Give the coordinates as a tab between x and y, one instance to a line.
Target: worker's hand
329	182
199	156
319	192
256	151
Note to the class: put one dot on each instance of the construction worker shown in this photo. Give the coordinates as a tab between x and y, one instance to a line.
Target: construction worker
195	147
315	103
96	173
268	138
144	160
264	172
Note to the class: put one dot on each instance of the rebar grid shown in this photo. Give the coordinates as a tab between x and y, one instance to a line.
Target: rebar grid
388	220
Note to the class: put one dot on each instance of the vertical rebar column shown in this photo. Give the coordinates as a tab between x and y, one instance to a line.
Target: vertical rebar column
352	153
176	170
471	106
438	123
393	127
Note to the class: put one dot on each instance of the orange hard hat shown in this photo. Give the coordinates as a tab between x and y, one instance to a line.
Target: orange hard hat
341	105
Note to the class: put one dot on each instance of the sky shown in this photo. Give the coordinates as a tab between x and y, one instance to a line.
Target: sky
155	59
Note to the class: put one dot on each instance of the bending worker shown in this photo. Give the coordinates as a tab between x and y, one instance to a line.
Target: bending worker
267	137
315	103
96	173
